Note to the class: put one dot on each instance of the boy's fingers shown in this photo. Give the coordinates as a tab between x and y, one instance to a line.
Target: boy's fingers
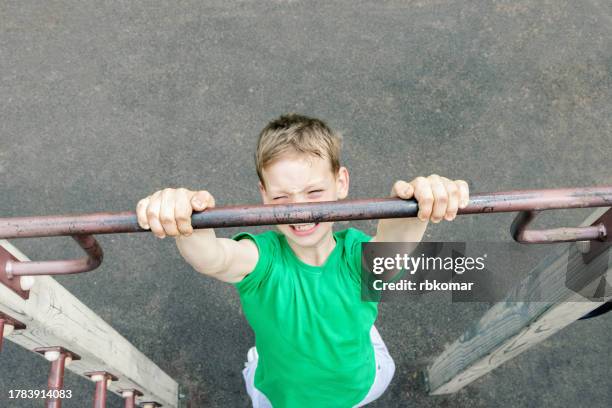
201	200
424	196
166	212
453	200
153	215
464	193
409	191
197	203
402	189
141	213
395	190
183	211
440	199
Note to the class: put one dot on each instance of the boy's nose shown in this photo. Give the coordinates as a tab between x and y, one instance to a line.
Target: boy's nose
297	199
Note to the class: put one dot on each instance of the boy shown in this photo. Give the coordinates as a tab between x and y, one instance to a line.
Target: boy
316	344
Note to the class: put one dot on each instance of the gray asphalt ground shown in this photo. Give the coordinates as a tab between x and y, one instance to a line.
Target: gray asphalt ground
103	103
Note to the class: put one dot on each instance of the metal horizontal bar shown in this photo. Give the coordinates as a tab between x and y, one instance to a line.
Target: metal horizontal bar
520	232
235	216
63	267
81	227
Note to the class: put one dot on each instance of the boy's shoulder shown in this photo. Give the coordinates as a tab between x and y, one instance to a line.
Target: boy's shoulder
269	234
350	235
268	238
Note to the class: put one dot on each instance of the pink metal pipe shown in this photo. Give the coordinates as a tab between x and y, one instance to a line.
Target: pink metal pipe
81	227
521	234
235	216
100	395
129	397
90	262
130	402
55	382
101	386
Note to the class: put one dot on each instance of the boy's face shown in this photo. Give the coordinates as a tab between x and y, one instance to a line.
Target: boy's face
299	178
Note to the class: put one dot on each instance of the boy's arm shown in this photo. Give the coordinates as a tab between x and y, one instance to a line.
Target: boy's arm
438	197
168	212
221	258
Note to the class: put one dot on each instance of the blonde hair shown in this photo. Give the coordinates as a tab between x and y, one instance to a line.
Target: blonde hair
293	133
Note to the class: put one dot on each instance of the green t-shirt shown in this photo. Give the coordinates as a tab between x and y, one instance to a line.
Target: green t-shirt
312	330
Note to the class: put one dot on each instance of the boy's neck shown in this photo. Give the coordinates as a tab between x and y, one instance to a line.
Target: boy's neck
315	256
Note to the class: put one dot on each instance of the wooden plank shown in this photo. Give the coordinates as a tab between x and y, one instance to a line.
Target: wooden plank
55	317
509	328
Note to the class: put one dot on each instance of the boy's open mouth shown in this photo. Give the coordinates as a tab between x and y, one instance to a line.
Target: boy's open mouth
304	229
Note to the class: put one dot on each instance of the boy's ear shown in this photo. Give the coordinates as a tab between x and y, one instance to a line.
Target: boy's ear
262	191
342	182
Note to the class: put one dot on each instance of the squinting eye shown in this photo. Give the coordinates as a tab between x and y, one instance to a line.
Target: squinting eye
315	191
278	198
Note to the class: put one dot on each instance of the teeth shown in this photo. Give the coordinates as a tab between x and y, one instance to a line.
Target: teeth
303	227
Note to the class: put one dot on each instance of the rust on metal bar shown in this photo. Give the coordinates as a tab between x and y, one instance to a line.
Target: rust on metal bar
243	216
90	262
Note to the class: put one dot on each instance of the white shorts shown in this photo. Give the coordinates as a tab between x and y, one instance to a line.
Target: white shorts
385	368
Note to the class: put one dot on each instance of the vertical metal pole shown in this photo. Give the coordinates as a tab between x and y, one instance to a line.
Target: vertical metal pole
100	395
56	382
101	378
130	399
59	358
129	395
